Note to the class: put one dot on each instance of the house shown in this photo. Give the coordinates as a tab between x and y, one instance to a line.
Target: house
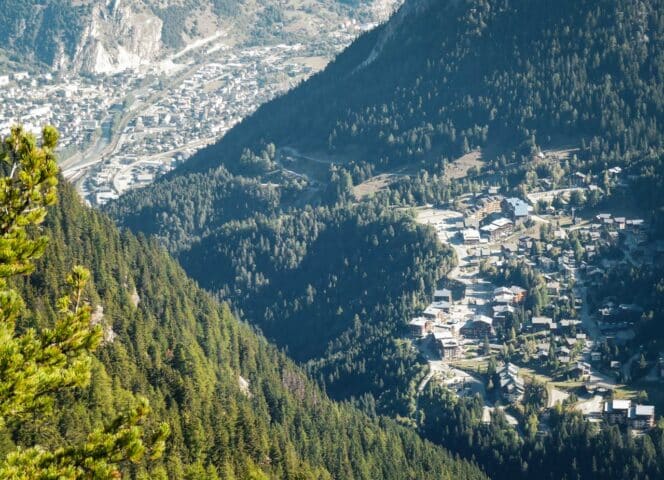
479	327
503	296
519	293
603	217
642	417
616	412
622	412
511	385
420	327
450	349
502	311
579	179
566	325
563	354
582	368
553	288
433	314
471	236
498	229
470	222
516	208
442	305
542	324
509	250
442	295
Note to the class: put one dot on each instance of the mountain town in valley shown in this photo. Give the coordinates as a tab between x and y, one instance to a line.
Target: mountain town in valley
119	132
526	311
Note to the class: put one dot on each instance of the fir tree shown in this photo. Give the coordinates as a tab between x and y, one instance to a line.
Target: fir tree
38	364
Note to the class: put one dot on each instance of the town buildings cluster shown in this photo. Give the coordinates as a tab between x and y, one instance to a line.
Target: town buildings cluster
121	131
548	321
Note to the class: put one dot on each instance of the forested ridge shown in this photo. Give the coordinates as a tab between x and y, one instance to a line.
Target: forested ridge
444	77
441	79
572	447
24	25
168	340
333	285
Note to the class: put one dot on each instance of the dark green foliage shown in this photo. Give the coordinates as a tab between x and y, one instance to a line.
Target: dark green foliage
41	29
573	448
456	75
332	285
38	364
193	207
186	353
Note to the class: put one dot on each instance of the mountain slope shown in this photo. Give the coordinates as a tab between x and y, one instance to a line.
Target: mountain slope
437	80
106	37
237	407
444	77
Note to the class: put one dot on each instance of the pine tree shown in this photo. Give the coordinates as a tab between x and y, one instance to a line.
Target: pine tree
36	365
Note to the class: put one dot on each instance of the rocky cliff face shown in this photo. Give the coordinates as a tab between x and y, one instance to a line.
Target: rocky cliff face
109	36
118	38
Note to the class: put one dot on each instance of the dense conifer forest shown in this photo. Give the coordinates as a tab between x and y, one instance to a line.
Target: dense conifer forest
332	279
236	407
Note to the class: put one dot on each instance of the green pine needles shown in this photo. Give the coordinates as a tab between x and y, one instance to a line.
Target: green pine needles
36	365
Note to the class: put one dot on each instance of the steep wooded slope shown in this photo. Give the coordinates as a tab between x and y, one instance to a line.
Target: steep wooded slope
237	407
444	77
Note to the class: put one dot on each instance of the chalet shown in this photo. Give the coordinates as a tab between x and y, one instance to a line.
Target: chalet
563	355
470	222
509	250
553	288
542	351
450	349
503	296
442	295
484	253
582	368
519	293
526	242
542	324
471	236
433	314
546	263
579	179
635	224
642	417
511	385
516	208
502	311
498	229
566	325
442	305
479	327
420	327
